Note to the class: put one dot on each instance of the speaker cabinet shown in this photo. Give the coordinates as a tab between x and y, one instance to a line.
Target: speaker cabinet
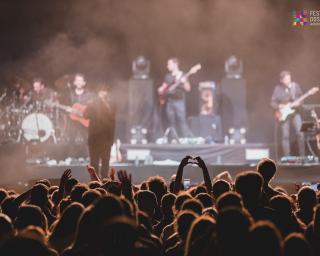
140	103
233	103
206	126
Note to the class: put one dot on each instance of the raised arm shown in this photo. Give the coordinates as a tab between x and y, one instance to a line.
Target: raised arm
63	180
206	175
178	181
92	173
126	184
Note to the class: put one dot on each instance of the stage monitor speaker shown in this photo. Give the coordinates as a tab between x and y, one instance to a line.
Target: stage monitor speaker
206	126
233	103
141	103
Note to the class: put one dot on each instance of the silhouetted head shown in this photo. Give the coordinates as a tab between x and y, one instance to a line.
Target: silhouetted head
200	189
192	205
267	168
265	239
3	195
10	207
307	198
233	226
6	228
89	197
202	228
107	207
31	215
39	195
167	203
119	234
77	192
45	182
147	202
181	198
183	223
282	205
219	187
229	199
205	199
158	186
94	184
295	245
249	186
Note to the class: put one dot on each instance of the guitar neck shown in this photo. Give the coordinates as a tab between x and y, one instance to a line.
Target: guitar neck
63	107
177	83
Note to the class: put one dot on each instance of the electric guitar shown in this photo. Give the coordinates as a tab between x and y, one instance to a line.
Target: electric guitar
169	89
75	111
289	108
317	120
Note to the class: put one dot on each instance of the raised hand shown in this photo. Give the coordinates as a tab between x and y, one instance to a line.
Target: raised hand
63	180
126	184
200	162
124	177
92	172
65	177
185	161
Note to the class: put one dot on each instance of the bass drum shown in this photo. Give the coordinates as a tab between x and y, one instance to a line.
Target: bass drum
37	127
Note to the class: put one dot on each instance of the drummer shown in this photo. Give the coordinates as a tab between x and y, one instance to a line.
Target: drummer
39	94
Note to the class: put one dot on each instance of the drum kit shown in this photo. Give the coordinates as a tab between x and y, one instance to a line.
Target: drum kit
35	122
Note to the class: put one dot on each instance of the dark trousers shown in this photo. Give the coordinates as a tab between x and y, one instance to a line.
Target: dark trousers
296	121
100	152
176	115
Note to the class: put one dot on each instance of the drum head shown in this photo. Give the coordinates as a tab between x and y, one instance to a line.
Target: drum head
37	126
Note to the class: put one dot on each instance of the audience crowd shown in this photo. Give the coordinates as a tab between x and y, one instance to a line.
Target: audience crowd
112	216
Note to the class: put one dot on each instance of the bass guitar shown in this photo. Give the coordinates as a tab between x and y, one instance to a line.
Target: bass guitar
75	111
169	89
289	108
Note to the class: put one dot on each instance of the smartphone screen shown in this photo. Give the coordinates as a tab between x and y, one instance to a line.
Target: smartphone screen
186	183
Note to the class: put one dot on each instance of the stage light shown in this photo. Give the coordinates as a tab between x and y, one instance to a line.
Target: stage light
243	141
138	135
237	136
233	68
243	130
133	141
141	68
231	130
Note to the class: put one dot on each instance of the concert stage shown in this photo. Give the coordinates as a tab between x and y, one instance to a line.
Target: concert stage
18	170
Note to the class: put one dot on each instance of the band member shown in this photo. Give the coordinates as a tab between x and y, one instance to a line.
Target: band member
286	92
81	95
39	92
175	108
101	113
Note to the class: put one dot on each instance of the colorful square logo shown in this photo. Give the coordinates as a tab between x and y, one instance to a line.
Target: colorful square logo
300	18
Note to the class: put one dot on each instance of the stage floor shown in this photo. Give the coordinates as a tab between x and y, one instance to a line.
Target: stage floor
14	168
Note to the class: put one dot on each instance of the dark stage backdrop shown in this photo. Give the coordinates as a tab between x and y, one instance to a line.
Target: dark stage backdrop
101	37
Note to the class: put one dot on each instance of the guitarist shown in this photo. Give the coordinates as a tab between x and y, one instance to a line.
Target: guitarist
288	91
78	94
175	108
